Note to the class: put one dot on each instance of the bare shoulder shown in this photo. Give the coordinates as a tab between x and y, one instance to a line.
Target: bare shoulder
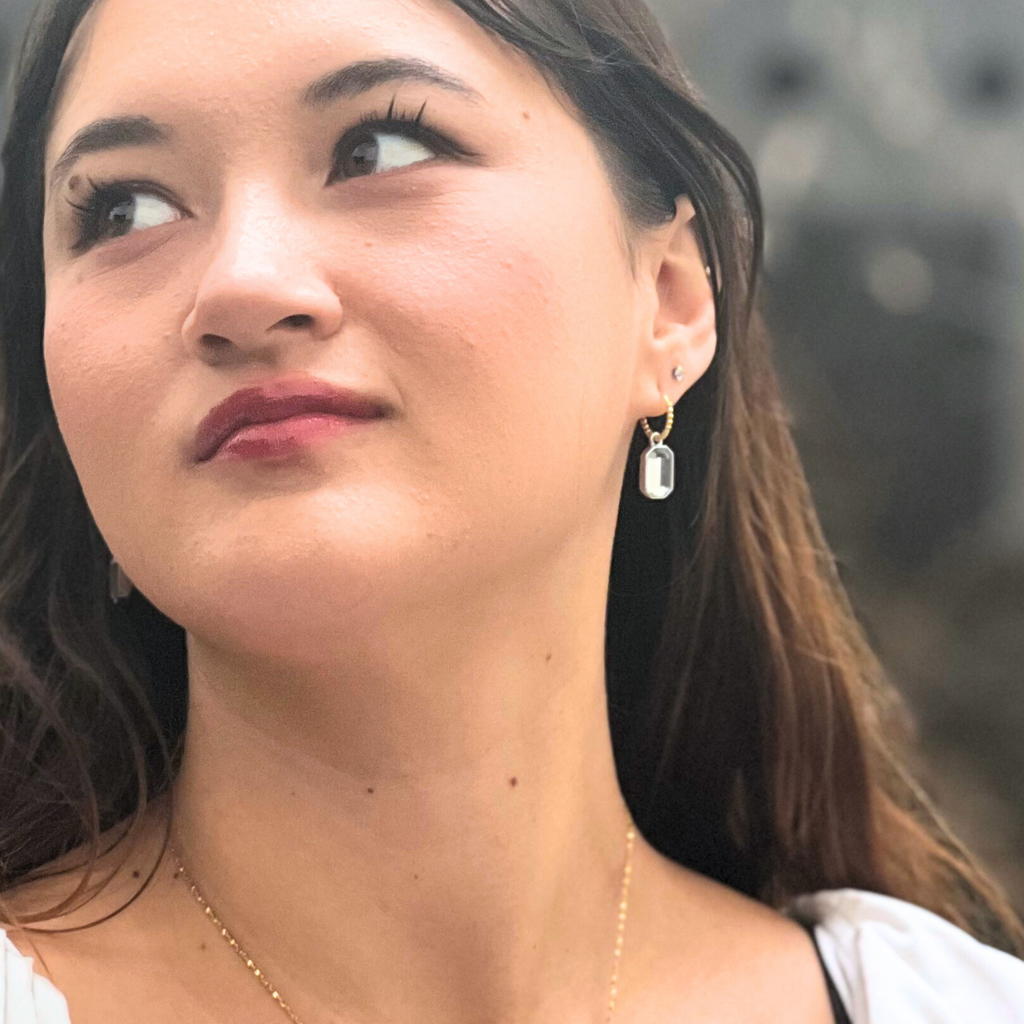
120	969
712	953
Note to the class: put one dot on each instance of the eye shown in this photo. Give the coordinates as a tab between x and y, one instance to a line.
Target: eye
138	212
384	153
119	208
383	143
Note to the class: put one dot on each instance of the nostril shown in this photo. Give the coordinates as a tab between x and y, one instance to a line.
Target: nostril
214	341
297	320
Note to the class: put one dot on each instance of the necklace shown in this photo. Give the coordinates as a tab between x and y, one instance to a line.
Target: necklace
276	995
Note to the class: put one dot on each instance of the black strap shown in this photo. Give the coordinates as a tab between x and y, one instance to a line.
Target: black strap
838	1010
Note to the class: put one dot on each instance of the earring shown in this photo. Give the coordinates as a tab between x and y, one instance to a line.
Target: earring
657	464
120	585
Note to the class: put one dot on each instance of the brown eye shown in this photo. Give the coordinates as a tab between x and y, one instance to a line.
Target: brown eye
384	152
119	208
379	144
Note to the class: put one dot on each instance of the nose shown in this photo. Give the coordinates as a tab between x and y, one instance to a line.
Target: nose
264	280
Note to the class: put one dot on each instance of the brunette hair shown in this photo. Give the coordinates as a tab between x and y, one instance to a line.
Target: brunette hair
756	737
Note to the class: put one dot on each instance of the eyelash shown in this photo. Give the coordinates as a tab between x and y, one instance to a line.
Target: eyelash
91	215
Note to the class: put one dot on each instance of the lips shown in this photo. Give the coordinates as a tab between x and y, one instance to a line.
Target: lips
277	400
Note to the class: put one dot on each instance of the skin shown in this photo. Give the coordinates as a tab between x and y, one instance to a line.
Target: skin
398	788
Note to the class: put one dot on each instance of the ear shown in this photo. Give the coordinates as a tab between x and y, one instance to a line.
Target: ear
680	326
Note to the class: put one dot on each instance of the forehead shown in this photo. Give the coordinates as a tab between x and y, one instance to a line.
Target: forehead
217	54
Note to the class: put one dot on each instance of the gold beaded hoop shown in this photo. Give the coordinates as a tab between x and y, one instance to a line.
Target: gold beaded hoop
659	438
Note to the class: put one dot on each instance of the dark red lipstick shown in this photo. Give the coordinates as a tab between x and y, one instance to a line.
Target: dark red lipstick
319	404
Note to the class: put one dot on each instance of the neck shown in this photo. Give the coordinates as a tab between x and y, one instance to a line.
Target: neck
418	830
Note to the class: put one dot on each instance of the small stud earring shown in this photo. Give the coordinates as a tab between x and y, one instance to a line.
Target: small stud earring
678	373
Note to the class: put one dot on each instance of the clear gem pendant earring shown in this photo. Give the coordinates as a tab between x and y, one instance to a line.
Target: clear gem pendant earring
120	585
657	464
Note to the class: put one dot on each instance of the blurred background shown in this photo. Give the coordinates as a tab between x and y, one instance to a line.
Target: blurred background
888	136
889	140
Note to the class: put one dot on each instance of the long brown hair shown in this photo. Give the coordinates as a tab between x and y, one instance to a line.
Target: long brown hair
756	737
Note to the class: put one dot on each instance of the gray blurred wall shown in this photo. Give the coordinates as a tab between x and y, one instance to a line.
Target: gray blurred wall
907	115
13	17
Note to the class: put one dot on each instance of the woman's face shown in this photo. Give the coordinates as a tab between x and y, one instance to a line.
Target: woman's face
485	299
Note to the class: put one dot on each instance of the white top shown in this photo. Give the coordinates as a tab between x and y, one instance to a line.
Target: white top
891	961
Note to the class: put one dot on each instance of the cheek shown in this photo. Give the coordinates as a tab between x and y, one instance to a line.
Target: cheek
527	306
104	390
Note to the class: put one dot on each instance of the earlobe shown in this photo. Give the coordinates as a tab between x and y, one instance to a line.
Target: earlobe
701	338
684	332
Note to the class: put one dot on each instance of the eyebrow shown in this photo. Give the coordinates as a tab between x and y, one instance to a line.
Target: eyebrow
348	81
108	133
363	75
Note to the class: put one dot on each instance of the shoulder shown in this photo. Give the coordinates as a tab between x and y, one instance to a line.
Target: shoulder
25	996
896	963
702	951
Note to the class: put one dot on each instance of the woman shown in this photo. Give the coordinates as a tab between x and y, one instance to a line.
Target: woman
334	332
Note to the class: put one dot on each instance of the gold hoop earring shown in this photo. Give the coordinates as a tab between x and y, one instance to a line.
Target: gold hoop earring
657	464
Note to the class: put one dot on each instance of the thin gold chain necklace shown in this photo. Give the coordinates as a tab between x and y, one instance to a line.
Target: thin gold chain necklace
276	995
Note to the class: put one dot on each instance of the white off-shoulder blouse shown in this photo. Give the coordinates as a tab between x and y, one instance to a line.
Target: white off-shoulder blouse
890	962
